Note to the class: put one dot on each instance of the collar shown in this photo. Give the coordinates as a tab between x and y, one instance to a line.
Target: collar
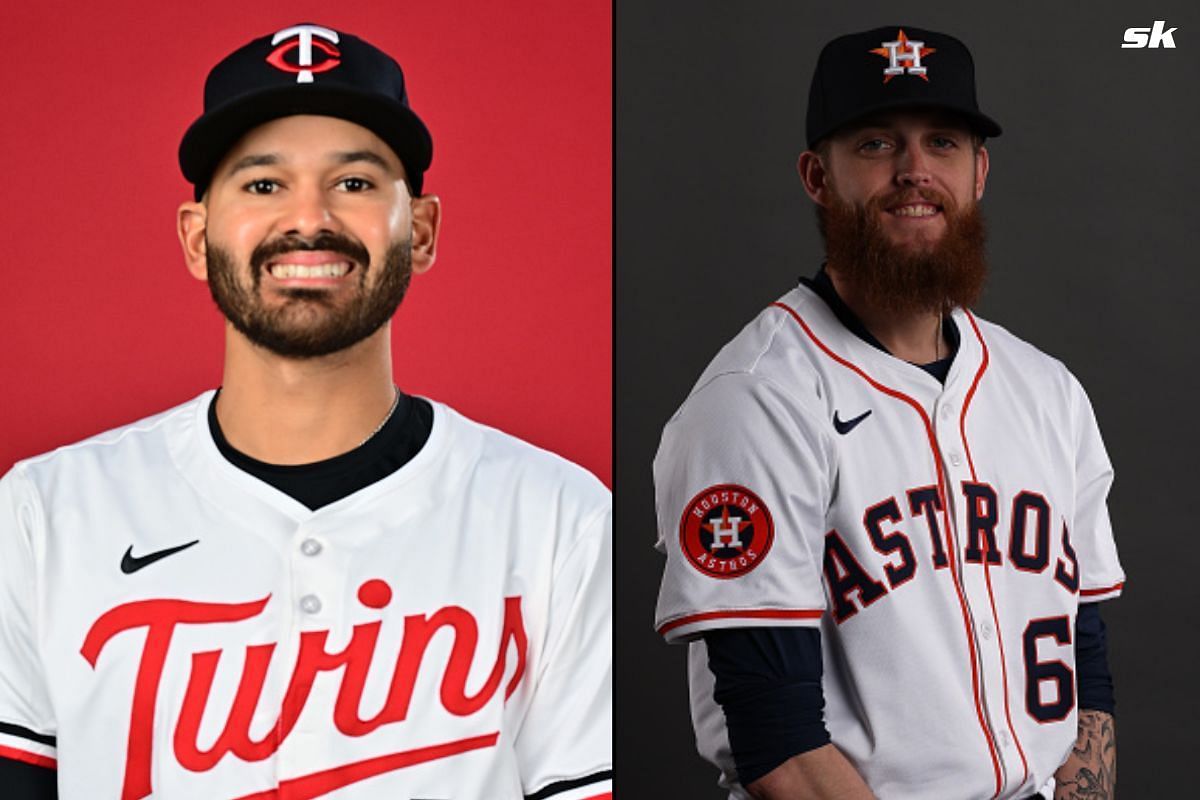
822	284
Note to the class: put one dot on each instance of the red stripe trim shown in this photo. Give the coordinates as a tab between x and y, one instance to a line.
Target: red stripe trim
605	796
962	418
987	573
36	759
750	613
318	784
937	463
1091	592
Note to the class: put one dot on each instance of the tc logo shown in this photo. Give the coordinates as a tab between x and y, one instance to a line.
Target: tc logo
303	41
904	56
1150	37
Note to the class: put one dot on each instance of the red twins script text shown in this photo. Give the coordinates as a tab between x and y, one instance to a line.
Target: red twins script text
160	618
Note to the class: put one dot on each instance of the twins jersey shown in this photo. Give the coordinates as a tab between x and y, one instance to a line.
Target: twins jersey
170	626
941	536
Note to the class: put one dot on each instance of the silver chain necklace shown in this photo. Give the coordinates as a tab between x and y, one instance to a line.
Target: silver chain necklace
379	427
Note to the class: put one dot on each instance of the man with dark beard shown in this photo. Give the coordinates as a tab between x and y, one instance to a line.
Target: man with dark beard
884	518
352	591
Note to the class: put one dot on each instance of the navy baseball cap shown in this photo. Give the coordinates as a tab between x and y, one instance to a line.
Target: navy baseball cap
890	68
304	69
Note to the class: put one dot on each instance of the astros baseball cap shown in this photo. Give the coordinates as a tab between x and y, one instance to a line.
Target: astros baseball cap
304	69
890	68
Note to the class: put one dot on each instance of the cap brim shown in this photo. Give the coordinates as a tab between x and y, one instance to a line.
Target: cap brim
980	123
214	134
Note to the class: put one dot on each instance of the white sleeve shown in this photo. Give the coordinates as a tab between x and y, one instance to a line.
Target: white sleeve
743	479
1099	570
564	747
27	726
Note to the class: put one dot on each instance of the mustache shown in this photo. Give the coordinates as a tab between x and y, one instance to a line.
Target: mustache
900	196
332	242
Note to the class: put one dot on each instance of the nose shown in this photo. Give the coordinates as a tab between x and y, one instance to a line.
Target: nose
913	168
308	213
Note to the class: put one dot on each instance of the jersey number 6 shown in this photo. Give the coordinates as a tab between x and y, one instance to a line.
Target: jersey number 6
1039	672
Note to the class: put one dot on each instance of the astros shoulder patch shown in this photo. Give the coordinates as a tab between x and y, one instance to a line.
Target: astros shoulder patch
726	531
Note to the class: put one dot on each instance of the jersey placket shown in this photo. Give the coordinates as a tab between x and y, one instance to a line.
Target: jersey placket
949	416
314	602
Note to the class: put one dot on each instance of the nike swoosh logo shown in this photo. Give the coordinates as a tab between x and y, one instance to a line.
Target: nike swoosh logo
847	426
131	563
316	784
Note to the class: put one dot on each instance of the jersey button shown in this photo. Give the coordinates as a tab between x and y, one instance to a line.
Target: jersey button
955	458
986	630
310	604
947	411
310	547
1005	739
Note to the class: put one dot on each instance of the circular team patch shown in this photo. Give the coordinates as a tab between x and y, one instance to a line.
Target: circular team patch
726	531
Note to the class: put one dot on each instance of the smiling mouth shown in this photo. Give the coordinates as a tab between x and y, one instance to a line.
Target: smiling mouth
286	270
915	210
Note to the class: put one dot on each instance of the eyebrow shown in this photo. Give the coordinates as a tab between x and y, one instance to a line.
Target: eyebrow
254	160
343	157
369	156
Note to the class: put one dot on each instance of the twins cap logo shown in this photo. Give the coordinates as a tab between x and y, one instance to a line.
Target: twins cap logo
726	531
300	37
906	51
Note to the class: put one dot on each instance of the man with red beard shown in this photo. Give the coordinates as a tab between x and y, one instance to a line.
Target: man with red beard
884	518
308	583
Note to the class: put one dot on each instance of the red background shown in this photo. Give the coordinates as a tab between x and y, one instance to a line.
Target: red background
102	323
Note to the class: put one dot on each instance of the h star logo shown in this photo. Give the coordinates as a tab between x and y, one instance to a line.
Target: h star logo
727	531
904	51
727	535
301	37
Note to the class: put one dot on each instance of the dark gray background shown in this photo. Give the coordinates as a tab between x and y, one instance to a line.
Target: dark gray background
1094	226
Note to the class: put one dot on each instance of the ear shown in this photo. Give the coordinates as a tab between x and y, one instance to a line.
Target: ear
191	223
815	177
426	221
981	171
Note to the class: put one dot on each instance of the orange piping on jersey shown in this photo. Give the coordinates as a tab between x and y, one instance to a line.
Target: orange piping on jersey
36	759
749	613
987	574
962	418
953	548
1116	587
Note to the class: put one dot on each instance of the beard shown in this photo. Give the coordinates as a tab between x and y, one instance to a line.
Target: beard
903	279
310	322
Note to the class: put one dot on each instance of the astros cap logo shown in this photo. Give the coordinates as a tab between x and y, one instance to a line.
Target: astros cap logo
904	50
300	37
726	531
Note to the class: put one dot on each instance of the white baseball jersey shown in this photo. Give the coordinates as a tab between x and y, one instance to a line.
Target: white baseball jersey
940	535
172	627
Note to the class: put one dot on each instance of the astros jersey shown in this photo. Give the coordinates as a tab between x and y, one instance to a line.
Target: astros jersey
172	627
941	536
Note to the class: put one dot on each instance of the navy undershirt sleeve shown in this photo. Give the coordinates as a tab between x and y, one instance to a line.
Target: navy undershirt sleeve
768	683
1091	660
23	781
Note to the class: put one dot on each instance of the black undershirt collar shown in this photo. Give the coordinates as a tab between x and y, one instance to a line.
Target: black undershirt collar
323	482
823	286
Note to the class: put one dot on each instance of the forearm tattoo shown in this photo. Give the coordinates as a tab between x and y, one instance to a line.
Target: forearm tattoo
1090	772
